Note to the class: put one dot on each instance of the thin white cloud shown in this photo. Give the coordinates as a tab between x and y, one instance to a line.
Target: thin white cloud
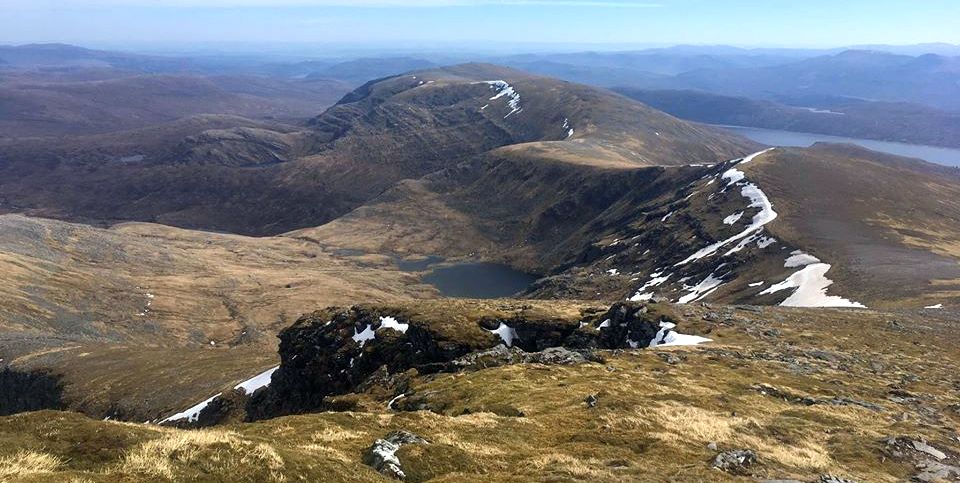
81	4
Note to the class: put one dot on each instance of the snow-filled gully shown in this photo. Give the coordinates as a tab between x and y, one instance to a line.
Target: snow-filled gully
504	89
809	282
192	413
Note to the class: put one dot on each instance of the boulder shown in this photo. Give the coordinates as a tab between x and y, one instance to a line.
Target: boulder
382	455
736	461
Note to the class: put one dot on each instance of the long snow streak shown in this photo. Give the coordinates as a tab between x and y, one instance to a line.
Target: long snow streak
757	198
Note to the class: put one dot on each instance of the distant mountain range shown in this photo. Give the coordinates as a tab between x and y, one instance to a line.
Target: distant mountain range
885	121
930	79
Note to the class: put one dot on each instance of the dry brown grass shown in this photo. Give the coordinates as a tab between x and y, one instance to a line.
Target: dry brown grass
27	463
325	451
332	434
653	421
160	457
589	469
693	424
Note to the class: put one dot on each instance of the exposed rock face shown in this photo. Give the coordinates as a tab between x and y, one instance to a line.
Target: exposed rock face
28	391
337	351
227	407
332	351
631	325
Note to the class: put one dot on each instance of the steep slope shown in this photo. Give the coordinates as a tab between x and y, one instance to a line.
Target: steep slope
793	226
824	226
261	182
765	229
890	223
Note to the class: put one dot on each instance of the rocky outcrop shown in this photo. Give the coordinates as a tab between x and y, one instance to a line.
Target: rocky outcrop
932	464
334	350
630	325
338	351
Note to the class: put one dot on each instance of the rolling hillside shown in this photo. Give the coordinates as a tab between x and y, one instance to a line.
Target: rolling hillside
397	128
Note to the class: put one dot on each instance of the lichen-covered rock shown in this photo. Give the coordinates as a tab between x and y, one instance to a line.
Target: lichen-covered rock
736	461
382	455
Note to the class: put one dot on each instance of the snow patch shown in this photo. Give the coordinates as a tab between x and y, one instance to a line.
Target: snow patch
822	111
938	306
811	285
258	381
766	241
566	126
642	295
733	176
613	271
757	200
506	333
395	399
666	336
702	289
800	259
192	413
754	155
361	337
391	323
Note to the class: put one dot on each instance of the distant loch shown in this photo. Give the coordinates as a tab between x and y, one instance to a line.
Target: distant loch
773	137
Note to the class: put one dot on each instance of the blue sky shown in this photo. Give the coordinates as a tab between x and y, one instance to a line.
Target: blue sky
768	23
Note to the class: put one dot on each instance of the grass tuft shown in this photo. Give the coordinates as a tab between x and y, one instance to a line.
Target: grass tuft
224	450
25	463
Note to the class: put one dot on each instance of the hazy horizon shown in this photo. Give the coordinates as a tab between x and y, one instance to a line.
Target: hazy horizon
488	25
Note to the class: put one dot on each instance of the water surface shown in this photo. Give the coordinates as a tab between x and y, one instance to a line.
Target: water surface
478	280
773	137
